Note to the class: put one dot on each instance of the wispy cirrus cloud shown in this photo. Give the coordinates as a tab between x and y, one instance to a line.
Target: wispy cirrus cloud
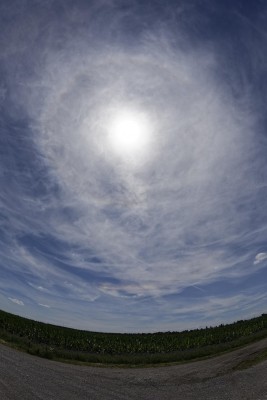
44	305
83	229
16	301
260	257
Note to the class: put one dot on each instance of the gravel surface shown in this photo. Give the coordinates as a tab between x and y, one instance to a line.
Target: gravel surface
25	377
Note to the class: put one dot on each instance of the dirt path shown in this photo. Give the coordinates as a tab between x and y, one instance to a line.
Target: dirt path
24	377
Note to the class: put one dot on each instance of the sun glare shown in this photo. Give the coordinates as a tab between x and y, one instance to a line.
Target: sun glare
129	133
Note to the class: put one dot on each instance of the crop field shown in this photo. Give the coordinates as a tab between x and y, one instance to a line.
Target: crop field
57	342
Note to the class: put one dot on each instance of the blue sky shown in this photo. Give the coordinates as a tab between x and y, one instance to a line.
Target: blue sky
162	231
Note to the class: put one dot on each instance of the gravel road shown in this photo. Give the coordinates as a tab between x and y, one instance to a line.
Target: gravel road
25	377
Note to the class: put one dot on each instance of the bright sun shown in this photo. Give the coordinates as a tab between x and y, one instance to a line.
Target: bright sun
129	133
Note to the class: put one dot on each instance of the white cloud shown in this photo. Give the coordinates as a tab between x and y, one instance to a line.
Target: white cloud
38	287
43	305
176	198
260	257
16	301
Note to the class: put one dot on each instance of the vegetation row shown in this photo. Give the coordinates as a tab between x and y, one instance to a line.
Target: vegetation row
59	342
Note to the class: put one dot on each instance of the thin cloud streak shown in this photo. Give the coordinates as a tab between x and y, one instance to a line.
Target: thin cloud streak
260	257
16	301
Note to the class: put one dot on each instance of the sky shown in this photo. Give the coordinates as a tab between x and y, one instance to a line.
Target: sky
133	162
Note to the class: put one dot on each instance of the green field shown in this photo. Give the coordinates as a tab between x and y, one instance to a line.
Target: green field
68	344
